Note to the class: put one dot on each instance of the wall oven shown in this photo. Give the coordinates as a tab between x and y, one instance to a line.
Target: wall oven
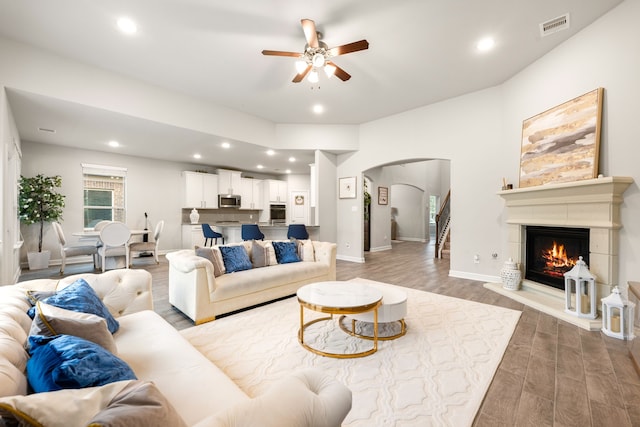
278	214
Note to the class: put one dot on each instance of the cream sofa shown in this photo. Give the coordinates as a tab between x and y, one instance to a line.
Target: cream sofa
198	390
194	289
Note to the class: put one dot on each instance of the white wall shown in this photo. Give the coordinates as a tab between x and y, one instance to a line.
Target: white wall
411	209
480	133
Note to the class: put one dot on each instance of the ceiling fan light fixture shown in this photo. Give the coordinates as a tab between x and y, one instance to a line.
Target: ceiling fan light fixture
301	66
313	76
318	60
329	70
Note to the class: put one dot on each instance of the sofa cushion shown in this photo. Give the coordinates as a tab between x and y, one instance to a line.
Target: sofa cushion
122	403
259	255
214	255
235	258
157	352
80	297
286	252
51	320
306	251
65	361
12	380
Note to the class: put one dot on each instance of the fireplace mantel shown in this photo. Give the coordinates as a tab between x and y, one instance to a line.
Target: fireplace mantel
589	203
593	204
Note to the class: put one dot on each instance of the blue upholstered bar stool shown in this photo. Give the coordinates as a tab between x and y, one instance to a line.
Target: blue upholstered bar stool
210	234
251	232
297	231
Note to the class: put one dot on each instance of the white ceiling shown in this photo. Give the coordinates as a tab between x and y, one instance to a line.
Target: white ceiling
420	52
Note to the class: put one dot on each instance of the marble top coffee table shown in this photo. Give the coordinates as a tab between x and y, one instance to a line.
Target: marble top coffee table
341	298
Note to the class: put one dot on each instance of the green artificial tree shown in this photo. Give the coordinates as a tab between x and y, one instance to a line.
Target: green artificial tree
39	202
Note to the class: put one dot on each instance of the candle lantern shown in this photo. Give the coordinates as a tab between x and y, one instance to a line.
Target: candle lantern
617	316
580	291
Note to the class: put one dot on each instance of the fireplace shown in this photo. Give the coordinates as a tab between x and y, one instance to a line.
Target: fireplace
552	251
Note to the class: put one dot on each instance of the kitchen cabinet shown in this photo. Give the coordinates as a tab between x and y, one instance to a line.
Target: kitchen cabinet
192	236
229	182
275	191
251	193
200	189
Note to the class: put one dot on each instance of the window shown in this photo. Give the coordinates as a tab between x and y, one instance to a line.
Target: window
433	209
104	194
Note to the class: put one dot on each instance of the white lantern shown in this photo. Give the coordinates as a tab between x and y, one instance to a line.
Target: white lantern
617	316
580	291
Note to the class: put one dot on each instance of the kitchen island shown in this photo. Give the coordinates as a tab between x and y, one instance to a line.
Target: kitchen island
231	230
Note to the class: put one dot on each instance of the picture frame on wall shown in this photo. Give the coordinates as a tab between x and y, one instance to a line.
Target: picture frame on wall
562	144
383	195
347	187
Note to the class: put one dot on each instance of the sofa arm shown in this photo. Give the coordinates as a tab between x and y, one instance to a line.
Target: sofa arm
308	398
186	261
123	291
325	253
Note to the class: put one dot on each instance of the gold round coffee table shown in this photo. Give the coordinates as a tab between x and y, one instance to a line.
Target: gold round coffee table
338	298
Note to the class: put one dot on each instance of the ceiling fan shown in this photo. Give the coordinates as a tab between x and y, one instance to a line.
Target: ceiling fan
317	55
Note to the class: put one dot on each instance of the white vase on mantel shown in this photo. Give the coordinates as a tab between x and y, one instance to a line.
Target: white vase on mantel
194	216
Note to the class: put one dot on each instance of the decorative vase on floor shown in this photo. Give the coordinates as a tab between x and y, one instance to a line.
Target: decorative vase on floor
38	260
194	216
511	276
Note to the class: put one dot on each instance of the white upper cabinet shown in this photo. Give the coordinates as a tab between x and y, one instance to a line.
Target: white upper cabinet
275	191
251	193
200	190
229	182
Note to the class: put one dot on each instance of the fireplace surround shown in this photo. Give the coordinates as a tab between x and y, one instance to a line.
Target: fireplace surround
592	204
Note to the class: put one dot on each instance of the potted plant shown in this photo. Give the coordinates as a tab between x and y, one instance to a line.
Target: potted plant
39	202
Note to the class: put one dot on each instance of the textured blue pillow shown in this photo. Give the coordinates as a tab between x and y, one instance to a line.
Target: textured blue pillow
286	252
80	296
65	361
235	258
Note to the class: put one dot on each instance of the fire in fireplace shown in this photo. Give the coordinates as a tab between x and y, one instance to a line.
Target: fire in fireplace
552	251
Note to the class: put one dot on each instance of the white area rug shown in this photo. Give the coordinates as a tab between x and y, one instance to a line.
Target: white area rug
436	375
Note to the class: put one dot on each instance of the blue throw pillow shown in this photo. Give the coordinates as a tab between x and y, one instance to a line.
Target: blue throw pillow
286	252
235	258
65	361
80	296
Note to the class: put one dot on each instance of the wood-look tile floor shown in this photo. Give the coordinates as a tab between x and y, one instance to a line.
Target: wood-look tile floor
552	373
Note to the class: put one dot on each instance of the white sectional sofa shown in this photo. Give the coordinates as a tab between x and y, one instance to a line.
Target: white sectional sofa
199	391
197	292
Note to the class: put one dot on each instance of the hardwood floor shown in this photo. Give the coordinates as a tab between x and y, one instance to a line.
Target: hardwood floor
552	373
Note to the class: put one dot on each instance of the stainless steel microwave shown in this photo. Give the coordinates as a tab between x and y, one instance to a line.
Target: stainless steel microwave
228	201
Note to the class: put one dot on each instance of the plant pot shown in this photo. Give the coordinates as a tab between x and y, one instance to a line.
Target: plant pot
38	260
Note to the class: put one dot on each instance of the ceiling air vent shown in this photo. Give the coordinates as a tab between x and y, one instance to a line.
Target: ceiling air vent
554	25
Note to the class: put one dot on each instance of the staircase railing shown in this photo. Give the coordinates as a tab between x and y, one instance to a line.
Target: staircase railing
442	224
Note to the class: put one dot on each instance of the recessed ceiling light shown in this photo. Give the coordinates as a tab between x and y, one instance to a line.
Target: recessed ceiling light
271	152
486	44
318	109
292	159
114	144
260	167
197	156
225	145
127	25
288	171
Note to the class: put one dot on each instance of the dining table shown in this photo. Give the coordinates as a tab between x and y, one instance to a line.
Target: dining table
113	262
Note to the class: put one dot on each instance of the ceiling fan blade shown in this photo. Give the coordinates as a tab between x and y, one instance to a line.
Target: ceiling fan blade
300	76
340	73
348	48
281	53
310	33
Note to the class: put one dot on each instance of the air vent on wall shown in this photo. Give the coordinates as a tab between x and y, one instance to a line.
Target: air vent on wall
554	25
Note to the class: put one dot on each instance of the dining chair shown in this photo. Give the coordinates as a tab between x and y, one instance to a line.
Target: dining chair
297	231
210	234
72	251
114	237
146	246
251	232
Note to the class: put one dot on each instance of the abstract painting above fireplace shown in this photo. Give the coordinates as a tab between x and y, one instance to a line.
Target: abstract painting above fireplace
552	251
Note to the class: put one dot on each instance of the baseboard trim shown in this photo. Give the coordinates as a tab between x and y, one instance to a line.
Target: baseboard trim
380	248
350	258
473	276
411	239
